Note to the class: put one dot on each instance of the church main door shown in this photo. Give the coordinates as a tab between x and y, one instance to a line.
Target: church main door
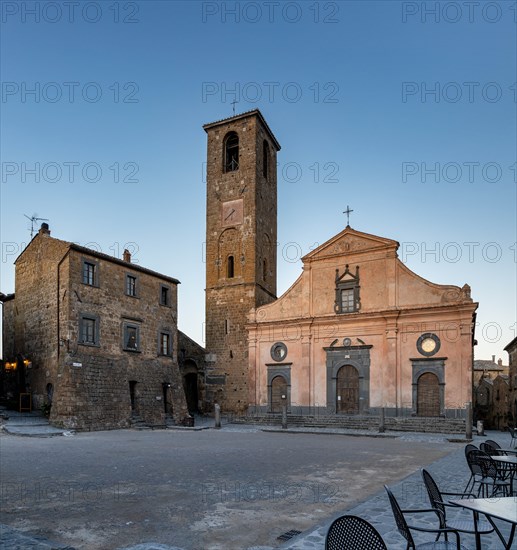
428	395
278	389
347	394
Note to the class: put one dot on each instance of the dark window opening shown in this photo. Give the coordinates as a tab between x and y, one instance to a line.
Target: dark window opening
89	273
165	343
231	152
230	272
265	159
164	295
264	269
131	337
130	285
89	330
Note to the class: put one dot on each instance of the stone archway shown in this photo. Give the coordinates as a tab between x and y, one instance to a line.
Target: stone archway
191	385
278	393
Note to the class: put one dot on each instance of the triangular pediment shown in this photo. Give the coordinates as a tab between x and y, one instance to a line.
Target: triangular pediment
350	241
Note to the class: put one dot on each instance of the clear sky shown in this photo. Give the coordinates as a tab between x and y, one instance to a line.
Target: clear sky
406	111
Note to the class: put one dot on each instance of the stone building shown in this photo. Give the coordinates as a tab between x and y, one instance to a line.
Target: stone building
241	235
511	348
486	368
94	335
491	392
191	359
359	331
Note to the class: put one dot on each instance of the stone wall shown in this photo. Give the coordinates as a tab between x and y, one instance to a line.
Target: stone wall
90	381
250	240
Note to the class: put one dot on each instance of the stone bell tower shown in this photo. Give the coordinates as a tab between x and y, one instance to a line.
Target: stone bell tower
241	237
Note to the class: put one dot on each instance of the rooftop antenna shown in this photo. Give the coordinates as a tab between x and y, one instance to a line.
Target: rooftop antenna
33	220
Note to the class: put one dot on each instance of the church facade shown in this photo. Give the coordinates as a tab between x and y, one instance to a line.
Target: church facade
356	333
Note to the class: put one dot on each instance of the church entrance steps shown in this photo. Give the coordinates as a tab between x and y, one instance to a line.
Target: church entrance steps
360	422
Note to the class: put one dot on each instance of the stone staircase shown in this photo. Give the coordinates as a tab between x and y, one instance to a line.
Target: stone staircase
356	422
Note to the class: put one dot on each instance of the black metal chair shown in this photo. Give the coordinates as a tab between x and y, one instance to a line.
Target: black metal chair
493	476
353	533
491	448
462	525
405	529
476	473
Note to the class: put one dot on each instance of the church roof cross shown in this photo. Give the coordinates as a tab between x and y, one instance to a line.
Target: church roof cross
347	212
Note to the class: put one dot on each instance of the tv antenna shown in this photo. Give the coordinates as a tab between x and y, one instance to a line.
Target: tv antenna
33	219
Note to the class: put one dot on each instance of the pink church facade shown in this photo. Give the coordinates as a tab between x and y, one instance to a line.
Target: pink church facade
358	331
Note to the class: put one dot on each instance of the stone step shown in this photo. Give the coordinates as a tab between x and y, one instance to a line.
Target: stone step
403	424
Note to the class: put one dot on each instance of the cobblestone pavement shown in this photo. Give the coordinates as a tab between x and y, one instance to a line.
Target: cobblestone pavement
410	493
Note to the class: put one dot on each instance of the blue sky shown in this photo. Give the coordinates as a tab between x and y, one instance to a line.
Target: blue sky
405	113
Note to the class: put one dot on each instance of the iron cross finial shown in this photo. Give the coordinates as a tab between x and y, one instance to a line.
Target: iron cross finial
233	104
347	212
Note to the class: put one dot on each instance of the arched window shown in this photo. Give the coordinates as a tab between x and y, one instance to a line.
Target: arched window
264	269
265	159
231	152
230	267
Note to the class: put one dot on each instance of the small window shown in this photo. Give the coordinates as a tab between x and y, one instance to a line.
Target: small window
265	160
131	337
347	300
347	291
165	295
165	343
89	330
230	272
231	152
89	273
264	269
131	285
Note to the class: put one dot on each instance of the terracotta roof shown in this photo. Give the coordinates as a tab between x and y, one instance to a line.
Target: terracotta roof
483	364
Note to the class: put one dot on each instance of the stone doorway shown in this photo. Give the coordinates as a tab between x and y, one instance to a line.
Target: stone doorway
348	378
428	395
132	395
190	385
347	390
278	389
167	407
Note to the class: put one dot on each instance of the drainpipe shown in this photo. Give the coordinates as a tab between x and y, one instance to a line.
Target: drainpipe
58	303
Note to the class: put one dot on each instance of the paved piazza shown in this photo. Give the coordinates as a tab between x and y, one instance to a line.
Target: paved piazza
234	488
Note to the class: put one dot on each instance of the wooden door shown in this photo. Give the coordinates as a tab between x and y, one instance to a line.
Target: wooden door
428	395
347	394
278	388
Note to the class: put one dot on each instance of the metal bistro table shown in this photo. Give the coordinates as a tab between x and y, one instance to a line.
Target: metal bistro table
508	463
504	508
511	451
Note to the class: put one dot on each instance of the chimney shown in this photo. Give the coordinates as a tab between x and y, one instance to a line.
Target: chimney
493	358
500	362
127	258
44	230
